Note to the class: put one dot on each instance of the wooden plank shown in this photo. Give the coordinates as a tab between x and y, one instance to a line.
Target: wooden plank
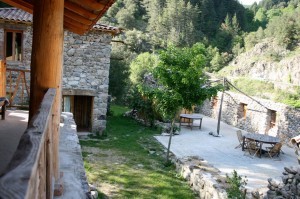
90	4
77	17
24	5
2	79
71	28
75	23
17	70
67	91
25	172
80	10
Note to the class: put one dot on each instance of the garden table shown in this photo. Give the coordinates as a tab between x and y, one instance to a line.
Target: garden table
191	118
261	139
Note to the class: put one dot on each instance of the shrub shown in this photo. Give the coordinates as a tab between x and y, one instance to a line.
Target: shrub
236	185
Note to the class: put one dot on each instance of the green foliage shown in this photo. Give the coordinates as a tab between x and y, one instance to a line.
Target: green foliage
174	23
142	64
141	101
180	74
285	29
236	184
215	60
267	90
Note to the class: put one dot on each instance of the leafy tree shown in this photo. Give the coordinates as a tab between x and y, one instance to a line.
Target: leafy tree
182	81
285	29
142	64
261	16
175	23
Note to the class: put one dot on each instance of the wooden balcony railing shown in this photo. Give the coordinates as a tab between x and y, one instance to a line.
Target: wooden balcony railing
30	174
16	83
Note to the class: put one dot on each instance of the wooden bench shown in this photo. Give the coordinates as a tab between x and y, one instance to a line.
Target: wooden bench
3	103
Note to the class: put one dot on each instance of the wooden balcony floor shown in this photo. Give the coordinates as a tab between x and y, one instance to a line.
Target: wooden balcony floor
11	130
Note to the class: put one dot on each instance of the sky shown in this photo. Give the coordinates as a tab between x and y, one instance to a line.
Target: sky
248	2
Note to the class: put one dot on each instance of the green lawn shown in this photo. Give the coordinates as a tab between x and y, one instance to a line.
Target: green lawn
129	163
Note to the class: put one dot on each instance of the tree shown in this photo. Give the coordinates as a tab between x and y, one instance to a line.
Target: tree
175	23
142	64
182	81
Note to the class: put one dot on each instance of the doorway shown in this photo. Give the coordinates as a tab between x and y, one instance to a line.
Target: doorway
81	107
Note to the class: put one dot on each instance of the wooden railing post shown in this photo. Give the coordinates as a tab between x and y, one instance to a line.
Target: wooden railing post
47	61
2	79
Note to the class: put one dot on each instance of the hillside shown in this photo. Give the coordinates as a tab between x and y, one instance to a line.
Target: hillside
269	71
267	61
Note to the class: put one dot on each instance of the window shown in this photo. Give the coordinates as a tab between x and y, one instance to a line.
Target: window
242	111
13	45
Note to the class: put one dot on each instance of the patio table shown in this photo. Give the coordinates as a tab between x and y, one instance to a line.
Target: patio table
261	139
191	118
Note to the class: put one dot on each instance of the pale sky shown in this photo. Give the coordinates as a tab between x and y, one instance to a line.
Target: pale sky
248	2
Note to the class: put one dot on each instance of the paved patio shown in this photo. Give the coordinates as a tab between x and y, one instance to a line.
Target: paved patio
221	153
11	130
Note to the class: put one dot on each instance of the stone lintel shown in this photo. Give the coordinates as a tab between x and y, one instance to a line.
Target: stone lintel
81	92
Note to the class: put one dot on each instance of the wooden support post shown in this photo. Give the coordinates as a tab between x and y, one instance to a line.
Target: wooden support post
47	63
2	79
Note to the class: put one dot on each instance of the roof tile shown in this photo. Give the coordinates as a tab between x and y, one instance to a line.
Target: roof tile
18	15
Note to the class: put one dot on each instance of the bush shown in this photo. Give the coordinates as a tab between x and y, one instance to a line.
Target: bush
141	101
236	185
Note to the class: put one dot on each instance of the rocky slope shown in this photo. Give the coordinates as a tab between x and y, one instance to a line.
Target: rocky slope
267	61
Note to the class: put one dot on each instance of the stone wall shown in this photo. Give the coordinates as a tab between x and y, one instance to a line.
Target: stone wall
288	188
203	178
25	64
86	67
257	117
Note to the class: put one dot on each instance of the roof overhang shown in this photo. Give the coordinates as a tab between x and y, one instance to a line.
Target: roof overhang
79	15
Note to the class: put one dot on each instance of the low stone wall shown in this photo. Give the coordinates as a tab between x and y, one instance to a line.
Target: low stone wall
290	186
203	178
257	116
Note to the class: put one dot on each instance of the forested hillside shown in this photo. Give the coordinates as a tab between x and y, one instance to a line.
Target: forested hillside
225	27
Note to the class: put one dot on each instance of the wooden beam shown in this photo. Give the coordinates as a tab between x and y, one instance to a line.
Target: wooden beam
75	23
80	10
77	17
2	79
24	5
74	30
47	63
90	4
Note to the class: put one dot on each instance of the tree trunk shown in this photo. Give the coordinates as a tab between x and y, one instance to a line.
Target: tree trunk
170	140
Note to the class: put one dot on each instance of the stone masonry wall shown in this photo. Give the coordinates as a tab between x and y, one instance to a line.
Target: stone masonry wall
203	178
25	64
258	116
86	66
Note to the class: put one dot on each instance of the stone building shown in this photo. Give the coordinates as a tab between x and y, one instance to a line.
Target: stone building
255	115
86	66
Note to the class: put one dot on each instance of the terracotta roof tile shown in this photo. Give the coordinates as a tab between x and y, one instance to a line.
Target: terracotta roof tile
18	15
15	14
107	28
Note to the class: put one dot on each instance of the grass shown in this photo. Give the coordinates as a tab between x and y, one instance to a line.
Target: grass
129	163
266	90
